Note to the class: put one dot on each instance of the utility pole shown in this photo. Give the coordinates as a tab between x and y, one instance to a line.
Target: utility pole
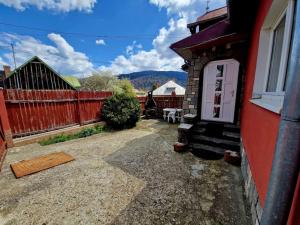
14	56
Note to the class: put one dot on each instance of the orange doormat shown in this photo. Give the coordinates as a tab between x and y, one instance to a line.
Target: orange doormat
38	164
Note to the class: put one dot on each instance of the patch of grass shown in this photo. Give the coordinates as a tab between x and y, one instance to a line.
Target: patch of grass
86	132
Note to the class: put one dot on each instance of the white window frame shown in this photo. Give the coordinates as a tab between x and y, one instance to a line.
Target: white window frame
273	101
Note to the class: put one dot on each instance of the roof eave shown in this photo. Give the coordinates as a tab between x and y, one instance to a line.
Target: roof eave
186	52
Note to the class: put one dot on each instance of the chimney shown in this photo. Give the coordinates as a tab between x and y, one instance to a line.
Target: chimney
6	70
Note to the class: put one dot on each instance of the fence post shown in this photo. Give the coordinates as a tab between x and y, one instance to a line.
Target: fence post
80	120
4	122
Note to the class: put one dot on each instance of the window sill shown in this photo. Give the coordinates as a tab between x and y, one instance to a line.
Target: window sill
273	106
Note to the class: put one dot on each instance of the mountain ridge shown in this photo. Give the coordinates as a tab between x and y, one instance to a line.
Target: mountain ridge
146	79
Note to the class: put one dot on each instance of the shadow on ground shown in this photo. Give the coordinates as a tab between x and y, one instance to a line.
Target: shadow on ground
180	188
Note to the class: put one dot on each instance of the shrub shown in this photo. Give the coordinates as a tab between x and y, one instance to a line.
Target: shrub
121	111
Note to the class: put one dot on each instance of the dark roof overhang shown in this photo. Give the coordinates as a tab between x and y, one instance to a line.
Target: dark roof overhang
218	34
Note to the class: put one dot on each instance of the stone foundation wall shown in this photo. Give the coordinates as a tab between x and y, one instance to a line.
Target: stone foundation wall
250	189
190	102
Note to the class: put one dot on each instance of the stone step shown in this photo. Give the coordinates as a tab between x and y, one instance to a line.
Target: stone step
231	128
232	136
198	130
216	142
201	123
206	151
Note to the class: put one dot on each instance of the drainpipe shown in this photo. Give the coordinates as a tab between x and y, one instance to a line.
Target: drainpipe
286	162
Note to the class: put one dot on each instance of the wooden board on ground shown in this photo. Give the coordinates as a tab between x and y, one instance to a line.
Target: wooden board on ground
38	164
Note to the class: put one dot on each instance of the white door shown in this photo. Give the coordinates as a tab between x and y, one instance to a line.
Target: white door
219	90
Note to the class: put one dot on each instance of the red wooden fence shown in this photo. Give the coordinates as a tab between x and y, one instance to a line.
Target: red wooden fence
36	111
168	102
164	102
5	131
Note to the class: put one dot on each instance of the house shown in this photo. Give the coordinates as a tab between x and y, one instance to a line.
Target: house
243	93
4	74
36	74
168	89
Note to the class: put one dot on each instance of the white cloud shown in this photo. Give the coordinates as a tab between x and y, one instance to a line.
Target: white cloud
173	5
100	42
160	57
61	55
64	58
131	49
55	5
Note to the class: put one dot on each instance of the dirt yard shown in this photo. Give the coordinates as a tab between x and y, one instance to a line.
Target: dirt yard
130	177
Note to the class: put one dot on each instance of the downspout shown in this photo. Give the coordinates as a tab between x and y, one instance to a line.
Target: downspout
286	162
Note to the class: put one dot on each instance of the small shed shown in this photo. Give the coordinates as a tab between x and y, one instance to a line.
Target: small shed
169	88
35	74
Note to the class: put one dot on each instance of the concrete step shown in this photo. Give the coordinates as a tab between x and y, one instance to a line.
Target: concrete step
198	130
232	136
206	151
231	128
216	142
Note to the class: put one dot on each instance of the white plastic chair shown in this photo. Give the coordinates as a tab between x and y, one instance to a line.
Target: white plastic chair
172	115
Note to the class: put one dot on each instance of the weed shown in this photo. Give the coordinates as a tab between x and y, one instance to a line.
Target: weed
86	132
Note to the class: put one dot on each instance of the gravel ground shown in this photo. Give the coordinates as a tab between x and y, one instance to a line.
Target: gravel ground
129	177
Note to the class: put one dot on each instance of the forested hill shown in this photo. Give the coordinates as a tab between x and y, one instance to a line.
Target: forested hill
145	79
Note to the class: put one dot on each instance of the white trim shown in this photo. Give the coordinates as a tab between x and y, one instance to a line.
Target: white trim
271	31
267	105
286	45
273	101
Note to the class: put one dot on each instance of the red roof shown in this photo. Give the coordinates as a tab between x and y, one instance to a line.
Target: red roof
217	30
213	14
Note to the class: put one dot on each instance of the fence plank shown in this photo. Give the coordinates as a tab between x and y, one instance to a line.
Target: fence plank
36	111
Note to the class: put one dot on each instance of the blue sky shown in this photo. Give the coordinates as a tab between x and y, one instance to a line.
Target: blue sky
80	37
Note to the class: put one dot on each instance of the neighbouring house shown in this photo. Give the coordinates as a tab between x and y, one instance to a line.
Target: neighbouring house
243	94
36	74
4	74
168	89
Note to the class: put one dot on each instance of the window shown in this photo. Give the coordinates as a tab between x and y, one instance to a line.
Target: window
276	56
271	67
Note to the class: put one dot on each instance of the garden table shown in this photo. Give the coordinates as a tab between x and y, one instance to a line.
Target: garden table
172	113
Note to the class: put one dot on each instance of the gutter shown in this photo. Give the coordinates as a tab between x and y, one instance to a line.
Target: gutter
286	162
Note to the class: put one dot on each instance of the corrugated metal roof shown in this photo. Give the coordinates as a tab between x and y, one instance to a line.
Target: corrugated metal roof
73	81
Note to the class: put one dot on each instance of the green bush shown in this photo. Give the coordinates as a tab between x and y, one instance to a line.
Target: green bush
121	111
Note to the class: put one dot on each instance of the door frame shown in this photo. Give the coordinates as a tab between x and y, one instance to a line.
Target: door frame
237	94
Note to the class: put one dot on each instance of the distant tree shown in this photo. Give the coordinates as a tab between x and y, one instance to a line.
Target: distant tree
106	81
100	81
124	87
154	86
